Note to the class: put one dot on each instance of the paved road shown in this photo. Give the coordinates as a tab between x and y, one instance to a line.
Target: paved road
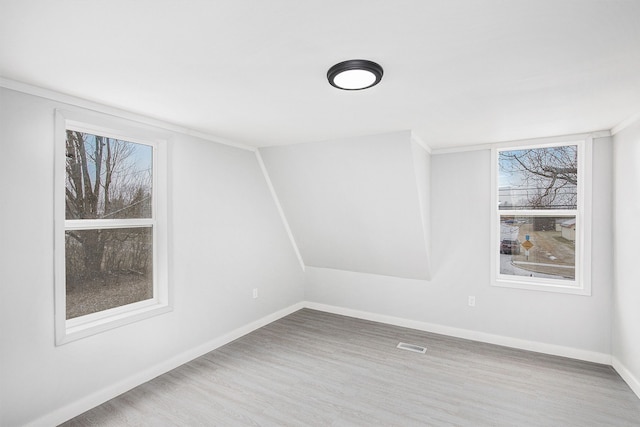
507	268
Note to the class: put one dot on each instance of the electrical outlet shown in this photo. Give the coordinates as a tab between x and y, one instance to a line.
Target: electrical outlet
255	292
472	301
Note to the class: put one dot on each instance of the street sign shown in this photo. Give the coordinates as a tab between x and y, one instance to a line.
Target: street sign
527	244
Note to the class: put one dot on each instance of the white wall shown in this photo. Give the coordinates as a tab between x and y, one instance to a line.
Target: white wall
354	204
571	325
626	295
226	238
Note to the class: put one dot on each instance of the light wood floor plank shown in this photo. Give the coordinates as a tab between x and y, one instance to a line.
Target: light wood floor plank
318	369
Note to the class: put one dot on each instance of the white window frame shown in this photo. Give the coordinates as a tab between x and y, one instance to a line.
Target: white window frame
90	324
581	285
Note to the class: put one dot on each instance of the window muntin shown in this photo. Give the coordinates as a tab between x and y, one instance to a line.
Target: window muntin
110	232
107	265
540	239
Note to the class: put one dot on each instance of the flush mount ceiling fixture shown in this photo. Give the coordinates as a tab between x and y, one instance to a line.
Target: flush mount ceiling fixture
355	74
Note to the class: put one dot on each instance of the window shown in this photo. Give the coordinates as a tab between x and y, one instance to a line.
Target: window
541	224
110	228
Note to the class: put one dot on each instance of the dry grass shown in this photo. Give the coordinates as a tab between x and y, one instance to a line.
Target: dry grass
107	291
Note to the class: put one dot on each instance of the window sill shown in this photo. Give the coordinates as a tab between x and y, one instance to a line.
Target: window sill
91	324
571	289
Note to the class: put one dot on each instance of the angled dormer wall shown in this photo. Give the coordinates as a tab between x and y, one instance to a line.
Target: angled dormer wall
460	192
359	204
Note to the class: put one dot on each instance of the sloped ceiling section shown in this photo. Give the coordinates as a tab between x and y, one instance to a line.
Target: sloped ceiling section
357	204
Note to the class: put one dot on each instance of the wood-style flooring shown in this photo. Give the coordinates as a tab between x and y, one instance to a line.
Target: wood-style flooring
318	369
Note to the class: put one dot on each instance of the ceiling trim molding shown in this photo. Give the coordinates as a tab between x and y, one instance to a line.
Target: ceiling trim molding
415	138
625	123
113	111
547	139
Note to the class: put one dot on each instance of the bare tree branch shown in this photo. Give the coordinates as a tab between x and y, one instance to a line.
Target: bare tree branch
550	175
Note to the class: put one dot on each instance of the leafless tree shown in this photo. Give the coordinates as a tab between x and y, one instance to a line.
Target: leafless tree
103	183
549	176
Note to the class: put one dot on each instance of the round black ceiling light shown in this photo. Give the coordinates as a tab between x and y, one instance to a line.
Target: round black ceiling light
355	74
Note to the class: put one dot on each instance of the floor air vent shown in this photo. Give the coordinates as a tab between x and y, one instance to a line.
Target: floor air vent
411	347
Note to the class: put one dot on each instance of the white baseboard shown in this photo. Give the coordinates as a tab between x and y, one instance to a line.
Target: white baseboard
627	376
67	412
76	408
556	350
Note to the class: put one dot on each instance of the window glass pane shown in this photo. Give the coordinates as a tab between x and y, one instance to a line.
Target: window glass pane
538	246
107	268
107	178
538	178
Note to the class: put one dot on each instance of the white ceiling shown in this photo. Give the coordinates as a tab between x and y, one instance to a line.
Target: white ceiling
457	72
